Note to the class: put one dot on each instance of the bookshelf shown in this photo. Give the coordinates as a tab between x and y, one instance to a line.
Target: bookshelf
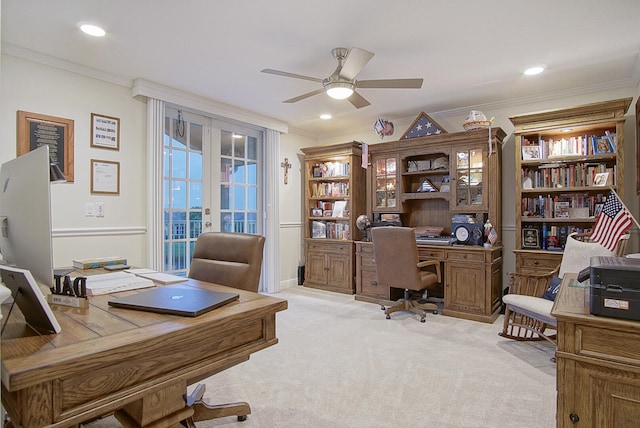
334	198
566	159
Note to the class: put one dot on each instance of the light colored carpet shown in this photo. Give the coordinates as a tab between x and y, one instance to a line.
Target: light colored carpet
340	363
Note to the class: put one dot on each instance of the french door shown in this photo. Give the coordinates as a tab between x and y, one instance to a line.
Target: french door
212	181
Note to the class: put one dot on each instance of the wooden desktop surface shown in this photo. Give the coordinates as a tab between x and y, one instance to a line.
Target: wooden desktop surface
108	358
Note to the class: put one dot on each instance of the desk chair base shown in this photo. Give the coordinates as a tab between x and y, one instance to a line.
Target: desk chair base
417	306
203	411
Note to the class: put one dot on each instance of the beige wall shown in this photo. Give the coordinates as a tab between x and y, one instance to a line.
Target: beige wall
36	88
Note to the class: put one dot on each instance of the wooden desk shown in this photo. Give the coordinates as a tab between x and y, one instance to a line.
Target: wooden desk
472	277
598	364
107	359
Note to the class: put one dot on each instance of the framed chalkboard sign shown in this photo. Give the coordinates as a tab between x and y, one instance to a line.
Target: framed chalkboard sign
35	130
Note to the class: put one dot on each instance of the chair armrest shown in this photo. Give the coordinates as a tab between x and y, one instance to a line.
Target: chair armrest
435	263
531	284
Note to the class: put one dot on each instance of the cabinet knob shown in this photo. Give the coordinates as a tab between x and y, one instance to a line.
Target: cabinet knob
574	418
535	262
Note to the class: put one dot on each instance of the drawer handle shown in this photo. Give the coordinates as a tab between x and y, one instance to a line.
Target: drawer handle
535	262
574	418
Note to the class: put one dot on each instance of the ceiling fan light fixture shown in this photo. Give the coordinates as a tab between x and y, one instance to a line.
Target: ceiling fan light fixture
339	90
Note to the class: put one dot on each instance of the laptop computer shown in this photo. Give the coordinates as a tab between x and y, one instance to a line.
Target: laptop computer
188	302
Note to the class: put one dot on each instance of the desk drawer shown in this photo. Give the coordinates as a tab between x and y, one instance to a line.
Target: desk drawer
607	344
430	253
468	256
538	261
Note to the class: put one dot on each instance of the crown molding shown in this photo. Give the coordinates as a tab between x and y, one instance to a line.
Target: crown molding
44	59
146	88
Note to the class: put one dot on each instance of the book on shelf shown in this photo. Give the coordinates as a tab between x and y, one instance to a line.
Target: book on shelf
98	262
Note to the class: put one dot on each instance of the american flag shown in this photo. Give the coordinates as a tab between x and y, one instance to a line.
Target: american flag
612	222
423	126
493	236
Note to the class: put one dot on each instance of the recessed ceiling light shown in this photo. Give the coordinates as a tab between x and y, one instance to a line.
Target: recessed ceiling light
92	30
533	70
325	116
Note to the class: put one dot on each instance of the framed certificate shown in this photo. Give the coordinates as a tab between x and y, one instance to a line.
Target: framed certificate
105	132
105	177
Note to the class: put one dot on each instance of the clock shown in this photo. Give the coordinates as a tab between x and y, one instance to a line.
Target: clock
468	233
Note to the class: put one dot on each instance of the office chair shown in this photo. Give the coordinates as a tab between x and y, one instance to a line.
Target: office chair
234	260
231	259
397	265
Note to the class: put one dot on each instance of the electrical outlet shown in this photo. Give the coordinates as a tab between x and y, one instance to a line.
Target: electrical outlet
99	209
88	209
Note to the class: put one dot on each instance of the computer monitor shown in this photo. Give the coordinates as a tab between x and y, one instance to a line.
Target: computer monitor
25	214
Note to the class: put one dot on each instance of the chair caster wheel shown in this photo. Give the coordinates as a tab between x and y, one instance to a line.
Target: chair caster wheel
423	320
435	312
381	308
388	317
242	418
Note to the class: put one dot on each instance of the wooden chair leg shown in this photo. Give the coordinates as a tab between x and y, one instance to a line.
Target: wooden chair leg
203	411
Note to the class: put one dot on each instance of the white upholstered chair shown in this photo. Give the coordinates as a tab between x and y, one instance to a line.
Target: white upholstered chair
528	314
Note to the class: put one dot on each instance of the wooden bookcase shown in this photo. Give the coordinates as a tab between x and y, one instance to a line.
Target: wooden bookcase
470	164
558	154
334	198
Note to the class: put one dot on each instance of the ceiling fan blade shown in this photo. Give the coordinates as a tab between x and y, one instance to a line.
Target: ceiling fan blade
354	63
286	74
302	97
358	100
391	83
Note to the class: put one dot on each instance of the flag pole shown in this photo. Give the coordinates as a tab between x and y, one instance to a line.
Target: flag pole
625	207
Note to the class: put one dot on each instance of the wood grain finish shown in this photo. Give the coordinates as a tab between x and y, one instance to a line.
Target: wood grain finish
329	263
598	364
472	278
109	358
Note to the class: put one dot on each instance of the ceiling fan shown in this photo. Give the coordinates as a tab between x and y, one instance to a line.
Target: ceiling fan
342	83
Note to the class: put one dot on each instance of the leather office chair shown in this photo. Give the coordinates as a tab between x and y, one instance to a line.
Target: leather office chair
231	259
397	265
234	260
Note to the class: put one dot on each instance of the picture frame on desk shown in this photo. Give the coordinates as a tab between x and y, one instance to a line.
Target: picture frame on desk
531	238
601	146
530	152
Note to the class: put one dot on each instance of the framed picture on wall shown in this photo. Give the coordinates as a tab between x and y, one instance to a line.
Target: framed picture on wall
105	177
35	130
105	132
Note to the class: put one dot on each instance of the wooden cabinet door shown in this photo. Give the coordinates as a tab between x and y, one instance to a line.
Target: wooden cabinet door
385	184
466	287
316	267
598	396
469	178
339	271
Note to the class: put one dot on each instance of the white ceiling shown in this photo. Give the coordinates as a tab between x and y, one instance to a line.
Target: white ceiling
469	53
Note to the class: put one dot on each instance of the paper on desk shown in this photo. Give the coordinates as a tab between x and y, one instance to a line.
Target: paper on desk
114	282
163	278
139	271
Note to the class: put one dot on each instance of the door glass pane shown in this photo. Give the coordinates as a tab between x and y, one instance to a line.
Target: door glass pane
226	144
182	192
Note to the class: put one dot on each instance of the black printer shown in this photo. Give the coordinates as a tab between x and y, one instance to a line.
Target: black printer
615	287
